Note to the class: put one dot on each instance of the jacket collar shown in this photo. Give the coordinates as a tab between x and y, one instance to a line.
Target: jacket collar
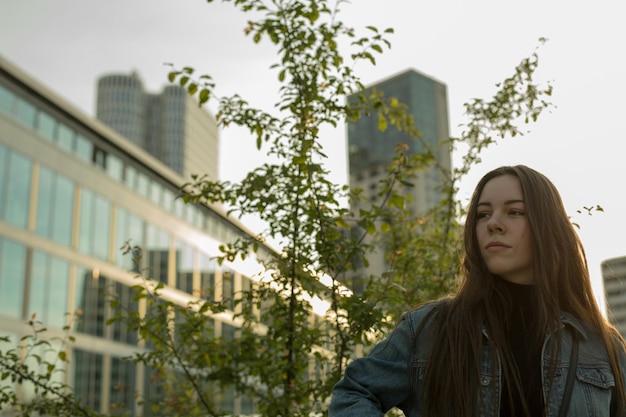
566	319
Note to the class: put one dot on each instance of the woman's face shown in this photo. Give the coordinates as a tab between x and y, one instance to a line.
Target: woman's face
504	238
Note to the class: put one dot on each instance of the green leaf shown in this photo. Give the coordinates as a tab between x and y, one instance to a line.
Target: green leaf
203	96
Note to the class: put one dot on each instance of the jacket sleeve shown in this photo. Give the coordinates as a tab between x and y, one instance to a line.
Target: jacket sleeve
374	384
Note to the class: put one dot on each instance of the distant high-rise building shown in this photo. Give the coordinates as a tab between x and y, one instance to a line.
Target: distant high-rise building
614	278
170	125
371	150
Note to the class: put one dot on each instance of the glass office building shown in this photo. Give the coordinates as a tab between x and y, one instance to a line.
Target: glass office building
614	280
169	125
72	192
371	150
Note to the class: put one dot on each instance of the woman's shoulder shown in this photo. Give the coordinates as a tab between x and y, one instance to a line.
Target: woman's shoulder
424	311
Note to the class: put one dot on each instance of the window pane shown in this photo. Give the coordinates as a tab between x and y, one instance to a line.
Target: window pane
85	228
114	167
26	112
18	190
63	211
7	100
207	276
46	125
157	250
45	195
87	381
131	177
101	238
129	228
58	286
122	387
155	192
12	276
127	303
38	279
4	172
65	137
142	184
184	267
84	148
91	300
168	199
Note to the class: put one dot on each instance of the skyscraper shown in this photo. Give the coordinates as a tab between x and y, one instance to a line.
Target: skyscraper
371	150
614	279
170	126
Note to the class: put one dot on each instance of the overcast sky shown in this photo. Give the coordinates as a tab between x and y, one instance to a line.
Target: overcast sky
468	45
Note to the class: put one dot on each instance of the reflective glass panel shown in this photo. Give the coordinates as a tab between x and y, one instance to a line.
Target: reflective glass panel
114	167
129	228
45	200
4	172
7	100
101	238
65	137
207	276
157	253
58	287
18	190
25	112
84	148
184	267
86	226
12	276
143	183
63	211
87	377
91	301
122	389
46	125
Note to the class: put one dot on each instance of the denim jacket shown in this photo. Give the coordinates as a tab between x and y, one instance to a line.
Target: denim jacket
374	384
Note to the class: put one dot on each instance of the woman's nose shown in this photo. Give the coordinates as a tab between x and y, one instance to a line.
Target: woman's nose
494	224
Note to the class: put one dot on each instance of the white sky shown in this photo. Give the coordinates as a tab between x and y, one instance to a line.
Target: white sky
468	45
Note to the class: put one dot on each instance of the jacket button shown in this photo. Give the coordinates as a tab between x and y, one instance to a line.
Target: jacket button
485	380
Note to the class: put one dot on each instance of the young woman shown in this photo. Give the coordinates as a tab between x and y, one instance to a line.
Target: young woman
522	337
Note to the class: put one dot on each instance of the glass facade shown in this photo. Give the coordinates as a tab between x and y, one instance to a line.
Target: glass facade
64	215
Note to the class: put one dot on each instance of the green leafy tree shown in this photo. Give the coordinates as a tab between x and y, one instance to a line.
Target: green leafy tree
282	355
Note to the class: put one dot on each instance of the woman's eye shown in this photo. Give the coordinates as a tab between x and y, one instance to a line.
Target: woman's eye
516	212
482	214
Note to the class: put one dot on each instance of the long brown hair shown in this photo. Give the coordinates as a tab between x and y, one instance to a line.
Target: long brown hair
451	383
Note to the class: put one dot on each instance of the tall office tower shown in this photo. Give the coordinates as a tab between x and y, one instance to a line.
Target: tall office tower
614	279
370	150
169	125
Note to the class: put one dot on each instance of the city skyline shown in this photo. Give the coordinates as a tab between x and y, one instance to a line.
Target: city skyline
471	46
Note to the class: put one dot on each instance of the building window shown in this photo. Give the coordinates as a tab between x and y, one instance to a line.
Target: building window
12	277
184	267
7	100
91	301
84	149
55	207
87	382
49	285
95	218
25	112
157	253
65	138
15	174
122	390
207	276
114	167
129	228
46	125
